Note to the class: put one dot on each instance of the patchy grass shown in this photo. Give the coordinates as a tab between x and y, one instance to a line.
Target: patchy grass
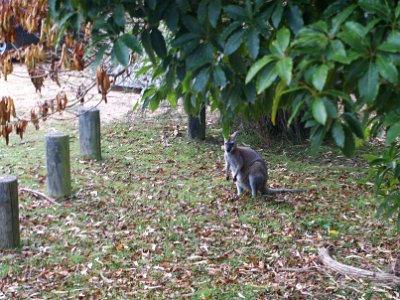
158	222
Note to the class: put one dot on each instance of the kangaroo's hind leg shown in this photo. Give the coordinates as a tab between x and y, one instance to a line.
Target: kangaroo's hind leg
239	188
257	183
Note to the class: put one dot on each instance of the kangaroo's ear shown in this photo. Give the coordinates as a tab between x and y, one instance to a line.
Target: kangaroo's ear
233	136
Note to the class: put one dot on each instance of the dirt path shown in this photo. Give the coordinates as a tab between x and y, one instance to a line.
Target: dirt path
20	88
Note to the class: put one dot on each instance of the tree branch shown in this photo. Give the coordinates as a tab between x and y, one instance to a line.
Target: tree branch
378	277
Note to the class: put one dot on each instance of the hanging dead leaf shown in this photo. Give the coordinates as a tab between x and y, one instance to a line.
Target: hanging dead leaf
54	70
44	110
35	119
20	127
37	77
79	51
102	81
62	101
65	62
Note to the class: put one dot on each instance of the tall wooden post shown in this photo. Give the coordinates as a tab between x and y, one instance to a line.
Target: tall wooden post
197	126
58	165
89	133
9	215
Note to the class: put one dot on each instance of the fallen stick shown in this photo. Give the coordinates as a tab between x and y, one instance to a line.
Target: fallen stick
379	277
39	195
299	270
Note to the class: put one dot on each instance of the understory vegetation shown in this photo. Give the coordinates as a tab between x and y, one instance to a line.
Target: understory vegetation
161	222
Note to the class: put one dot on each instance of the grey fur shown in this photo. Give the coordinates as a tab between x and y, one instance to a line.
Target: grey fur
248	169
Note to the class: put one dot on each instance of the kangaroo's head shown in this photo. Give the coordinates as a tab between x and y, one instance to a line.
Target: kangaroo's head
231	144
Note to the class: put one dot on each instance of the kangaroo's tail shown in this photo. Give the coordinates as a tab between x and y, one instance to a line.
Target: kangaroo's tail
277	191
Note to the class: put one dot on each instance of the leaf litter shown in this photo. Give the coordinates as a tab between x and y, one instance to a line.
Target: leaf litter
158	222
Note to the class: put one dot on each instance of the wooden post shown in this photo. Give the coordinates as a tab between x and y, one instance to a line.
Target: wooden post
197	126
9	216
89	133
58	165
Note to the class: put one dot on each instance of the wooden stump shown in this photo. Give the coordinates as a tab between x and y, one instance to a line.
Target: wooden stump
89	133
197	126
58	165
9	216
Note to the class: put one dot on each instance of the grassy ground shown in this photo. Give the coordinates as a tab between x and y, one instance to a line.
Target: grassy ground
157	222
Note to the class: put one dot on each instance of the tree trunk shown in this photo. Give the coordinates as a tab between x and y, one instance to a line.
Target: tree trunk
58	165
197	126
89	133
9	215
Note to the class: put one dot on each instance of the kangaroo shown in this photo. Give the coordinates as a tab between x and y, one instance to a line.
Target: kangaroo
249	170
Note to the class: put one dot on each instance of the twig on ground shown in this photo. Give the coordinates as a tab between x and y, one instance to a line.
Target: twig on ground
39	195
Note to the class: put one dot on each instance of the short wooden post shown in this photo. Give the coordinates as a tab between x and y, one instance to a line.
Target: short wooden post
197	126
58	165
9	216
89	133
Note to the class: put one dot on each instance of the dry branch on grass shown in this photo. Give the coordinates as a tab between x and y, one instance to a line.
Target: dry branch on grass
39	195
378	277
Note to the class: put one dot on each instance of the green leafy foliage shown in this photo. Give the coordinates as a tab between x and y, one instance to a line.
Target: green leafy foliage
385	170
225	46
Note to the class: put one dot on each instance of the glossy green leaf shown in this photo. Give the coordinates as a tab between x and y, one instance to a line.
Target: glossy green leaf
276	99
397	11
219	77
214	11
356	28
341	17
319	77
265	78
201	56
317	139
233	42
257	66
118	15
253	42
337	52
202	11
158	42
283	38
132	42
338	133
201	80
349	142
277	14
276	49
319	111
192	24
172	17
354	124
250	92
392	44
330	108
368	85
295	18
386	68
121	52
392	133
99	56
184	38
284	69
377	7
354	40
146	42
235	12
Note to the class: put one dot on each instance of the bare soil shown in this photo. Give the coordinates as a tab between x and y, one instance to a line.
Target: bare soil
19	87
